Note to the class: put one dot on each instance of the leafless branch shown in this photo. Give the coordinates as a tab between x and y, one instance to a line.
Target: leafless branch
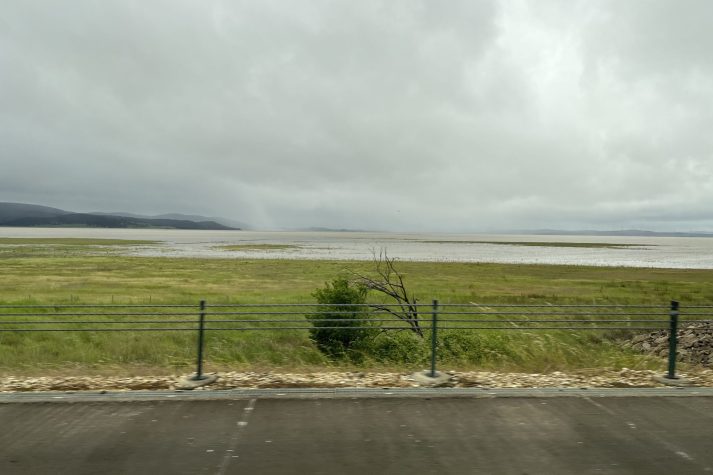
390	282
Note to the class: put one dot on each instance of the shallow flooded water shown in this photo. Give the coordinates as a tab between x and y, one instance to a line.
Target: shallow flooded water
662	252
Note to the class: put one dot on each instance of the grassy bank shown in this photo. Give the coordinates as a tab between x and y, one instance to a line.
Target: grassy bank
55	278
106	279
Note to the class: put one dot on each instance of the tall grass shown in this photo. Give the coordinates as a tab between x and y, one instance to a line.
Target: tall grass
59	279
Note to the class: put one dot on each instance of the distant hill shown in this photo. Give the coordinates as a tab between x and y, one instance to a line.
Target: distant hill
27	215
623	232
183	217
9	211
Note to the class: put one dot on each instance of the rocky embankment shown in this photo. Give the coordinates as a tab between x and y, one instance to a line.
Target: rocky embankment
695	343
595	378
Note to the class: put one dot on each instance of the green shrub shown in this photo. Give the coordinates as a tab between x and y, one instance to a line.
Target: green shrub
334	330
474	347
400	348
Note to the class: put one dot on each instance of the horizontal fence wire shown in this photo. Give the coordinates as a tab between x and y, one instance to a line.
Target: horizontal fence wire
563	314
345	320
103	306
91	314
585	314
96	322
418	305
310	328
129	329
486	305
307	316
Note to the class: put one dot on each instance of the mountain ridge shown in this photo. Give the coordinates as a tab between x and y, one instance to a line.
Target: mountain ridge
29	215
621	232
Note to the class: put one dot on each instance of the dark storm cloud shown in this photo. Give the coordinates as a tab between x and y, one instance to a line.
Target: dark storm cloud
392	115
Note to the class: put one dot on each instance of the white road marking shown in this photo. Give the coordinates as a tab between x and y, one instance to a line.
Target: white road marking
240	426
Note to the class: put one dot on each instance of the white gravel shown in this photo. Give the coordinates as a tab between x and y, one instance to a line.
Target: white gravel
595	378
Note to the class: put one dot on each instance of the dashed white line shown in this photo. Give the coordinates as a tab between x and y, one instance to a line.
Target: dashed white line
241	424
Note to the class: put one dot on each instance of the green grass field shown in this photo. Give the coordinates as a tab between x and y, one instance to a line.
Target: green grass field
49	276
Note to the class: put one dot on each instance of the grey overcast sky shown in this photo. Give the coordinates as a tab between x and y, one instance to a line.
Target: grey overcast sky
408	115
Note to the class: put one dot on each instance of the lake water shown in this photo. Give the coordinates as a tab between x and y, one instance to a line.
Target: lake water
661	252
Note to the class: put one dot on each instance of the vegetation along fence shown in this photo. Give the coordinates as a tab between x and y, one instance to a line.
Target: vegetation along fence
425	319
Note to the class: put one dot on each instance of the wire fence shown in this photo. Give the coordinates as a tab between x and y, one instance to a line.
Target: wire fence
427	318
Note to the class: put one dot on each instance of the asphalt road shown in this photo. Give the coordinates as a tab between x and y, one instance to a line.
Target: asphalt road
371	435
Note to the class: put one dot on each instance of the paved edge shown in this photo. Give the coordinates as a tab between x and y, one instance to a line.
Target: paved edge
307	393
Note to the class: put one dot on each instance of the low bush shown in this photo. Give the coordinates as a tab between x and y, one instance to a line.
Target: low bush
340	324
399	348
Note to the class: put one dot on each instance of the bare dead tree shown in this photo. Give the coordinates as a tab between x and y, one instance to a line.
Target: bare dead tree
390	282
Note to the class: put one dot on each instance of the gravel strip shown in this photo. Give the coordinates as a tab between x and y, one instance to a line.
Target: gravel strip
600	378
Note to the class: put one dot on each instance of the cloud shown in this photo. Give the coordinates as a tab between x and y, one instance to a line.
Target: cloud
402	115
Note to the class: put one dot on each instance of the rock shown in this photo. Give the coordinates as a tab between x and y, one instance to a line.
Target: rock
694	343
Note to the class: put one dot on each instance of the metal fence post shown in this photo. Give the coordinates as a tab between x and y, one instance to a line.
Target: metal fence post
434	335
201	336
672	340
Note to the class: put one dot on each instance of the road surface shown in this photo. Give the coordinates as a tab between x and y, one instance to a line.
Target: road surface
378	434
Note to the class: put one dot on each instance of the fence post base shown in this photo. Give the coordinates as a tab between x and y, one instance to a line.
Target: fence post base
190	382
426	377
677	381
